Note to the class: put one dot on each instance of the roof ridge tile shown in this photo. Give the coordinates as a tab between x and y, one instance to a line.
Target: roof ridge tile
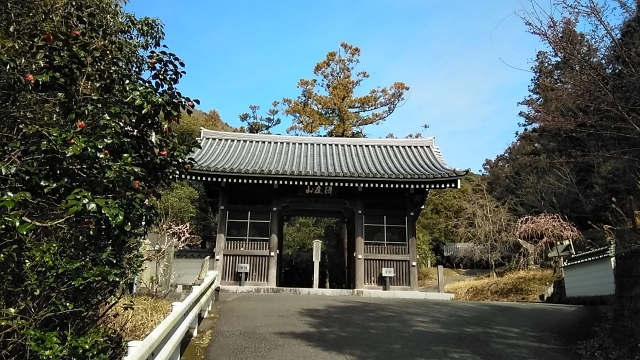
299	156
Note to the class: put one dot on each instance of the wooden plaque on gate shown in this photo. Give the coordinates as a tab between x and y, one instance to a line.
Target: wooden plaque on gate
318	190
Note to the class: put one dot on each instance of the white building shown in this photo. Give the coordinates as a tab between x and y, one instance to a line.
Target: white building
590	273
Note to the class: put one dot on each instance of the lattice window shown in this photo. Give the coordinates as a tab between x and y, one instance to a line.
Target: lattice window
385	230
248	225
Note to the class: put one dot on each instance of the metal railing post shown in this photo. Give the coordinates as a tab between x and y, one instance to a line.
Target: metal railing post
206	308
175	306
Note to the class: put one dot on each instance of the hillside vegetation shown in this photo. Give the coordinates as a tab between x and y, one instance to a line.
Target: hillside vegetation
517	286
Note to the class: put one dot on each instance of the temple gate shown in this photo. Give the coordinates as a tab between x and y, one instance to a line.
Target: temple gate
377	187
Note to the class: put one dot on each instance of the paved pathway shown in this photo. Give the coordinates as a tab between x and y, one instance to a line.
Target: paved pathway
278	326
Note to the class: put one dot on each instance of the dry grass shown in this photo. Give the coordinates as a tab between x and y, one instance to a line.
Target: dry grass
135	316
521	286
428	276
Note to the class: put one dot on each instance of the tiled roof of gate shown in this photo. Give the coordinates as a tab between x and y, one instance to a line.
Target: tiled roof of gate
341	158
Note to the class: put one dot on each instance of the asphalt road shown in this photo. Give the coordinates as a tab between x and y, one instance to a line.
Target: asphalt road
279	326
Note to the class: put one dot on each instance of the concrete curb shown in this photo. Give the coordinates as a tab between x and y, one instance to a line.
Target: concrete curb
338	292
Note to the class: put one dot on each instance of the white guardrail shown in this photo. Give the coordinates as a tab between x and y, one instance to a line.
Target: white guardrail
163	343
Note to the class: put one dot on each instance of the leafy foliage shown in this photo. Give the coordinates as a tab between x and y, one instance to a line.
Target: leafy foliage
260	124
437	222
84	88
578	155
176	206
417	135
488	225
300	232
469	214
329	106
188	131
579	147
189	127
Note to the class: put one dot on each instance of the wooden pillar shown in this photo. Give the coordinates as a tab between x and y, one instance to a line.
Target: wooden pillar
222	228
413	251
359	239
272	274
345	243
280	251
351	249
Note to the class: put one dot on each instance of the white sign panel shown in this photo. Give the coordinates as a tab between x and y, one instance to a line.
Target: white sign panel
317	246
242	268
388	272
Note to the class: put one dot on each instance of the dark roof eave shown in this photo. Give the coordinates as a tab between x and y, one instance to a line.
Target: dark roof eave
328	178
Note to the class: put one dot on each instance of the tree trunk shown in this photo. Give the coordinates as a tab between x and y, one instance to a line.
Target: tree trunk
492	265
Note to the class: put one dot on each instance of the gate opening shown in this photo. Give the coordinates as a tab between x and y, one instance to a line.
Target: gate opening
296	265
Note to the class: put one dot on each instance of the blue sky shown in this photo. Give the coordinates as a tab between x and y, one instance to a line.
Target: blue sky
458	57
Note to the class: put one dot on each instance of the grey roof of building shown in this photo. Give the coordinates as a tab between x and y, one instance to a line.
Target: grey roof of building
334	158
591	255
193	253
459	249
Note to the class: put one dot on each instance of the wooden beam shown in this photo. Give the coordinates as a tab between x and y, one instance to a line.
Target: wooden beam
387	257
247	252
222	228
359	248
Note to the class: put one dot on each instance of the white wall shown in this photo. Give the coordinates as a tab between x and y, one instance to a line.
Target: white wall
592	278
184	271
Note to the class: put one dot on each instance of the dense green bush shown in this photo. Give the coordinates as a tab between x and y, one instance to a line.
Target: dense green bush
86	99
